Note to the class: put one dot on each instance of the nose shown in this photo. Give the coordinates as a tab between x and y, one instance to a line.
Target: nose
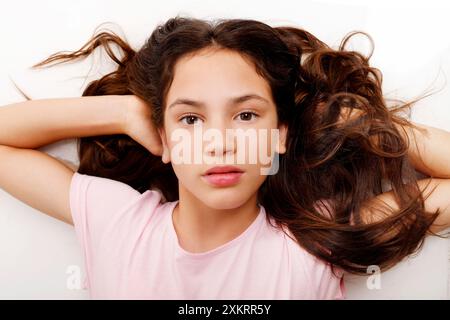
220	139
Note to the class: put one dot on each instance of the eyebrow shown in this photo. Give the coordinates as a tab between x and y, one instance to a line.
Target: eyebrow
232	101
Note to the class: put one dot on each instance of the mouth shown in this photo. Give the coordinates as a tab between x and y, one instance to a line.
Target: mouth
223	176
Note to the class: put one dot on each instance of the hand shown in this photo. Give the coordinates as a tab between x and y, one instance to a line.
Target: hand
139	125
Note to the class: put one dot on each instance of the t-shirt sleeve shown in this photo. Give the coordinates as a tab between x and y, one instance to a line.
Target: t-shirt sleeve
327	285
96	204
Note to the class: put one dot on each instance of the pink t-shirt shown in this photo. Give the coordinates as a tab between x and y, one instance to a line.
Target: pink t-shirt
131	251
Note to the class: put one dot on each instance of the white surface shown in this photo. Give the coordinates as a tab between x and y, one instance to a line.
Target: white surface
412	49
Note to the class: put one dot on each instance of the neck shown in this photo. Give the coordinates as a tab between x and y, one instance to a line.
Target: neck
201	228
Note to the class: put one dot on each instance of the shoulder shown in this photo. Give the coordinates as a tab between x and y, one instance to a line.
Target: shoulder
106	192
323	282
98	204
102	187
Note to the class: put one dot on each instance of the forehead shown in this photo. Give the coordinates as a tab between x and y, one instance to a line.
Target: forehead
215	75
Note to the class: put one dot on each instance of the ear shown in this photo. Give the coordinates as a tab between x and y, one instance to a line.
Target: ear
282	129
165	157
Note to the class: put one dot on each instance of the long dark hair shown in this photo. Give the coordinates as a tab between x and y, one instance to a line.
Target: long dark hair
330	161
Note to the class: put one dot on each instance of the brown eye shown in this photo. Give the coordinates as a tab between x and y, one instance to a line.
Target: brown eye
247	116
190	119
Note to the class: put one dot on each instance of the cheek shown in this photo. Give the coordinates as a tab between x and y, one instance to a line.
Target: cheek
170	130
267	159
267	139
185	175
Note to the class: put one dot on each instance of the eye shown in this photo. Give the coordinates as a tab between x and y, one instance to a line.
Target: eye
190	119
247	115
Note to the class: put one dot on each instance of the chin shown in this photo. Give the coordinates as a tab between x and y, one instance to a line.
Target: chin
221	201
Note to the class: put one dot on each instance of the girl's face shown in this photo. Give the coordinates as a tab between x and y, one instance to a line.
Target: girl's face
195	135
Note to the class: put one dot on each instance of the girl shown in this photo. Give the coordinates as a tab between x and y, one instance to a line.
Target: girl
154	227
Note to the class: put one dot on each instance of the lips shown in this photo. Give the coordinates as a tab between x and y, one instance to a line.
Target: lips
223	176
223	169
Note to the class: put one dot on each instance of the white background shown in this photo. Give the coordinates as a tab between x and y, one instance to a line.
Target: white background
38	254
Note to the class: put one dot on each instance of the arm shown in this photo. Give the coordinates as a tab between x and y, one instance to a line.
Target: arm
25	173
429	153
35	123
429	150
439	191
426	152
